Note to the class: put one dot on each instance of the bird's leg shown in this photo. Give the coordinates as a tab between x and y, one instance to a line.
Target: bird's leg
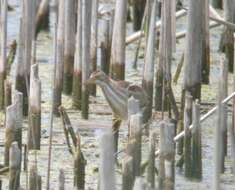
115	127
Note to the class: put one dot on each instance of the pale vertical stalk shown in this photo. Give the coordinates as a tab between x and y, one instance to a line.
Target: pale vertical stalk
118	41
59	59
148	76
3	44
94	30
52	106
69	45
86	59
77	75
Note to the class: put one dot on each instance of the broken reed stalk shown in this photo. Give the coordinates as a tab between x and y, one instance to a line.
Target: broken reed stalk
59	58
11	55
34	131
94	41
3	50
151	160
127	173
77	75
148	76
138	13
105	46
75	150
86	59
224	93
42	16
79	166
117	66
106	167
187	136
13	131
135	36
196	143
69	45
61	180
178	69
7	93
135	134
35	180
227	39
15	162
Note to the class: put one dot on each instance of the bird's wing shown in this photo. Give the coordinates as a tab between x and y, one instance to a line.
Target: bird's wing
138	93
122	84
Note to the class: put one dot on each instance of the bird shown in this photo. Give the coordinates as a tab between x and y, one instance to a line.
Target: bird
117	93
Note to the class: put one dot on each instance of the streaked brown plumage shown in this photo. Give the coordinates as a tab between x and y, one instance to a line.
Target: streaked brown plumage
117	94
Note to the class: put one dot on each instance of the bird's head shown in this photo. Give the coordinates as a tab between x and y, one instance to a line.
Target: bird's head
97	77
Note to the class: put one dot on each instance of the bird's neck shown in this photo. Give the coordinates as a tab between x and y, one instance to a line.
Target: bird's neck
115	96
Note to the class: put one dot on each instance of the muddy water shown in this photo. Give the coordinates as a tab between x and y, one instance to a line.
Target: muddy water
100	117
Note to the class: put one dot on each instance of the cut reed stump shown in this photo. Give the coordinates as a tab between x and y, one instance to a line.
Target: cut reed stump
138	13
86	59
135	134
227	39
187	137
13	132
15	161
151	160
118	41
69	45
77	75
224	93
218	161
166	178
3	50
196	143
127	173
59	58
34	131
106	167
94	41
148	77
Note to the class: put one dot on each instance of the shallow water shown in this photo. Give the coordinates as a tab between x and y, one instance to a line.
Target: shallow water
100	117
